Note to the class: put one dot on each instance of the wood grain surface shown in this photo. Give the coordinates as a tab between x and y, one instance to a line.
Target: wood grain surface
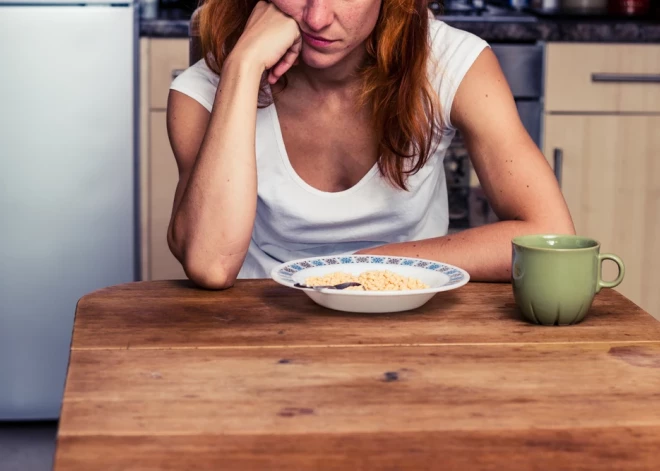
258	313
154	382
615	449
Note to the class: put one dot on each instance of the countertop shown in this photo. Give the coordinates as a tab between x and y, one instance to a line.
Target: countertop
523	28
166	376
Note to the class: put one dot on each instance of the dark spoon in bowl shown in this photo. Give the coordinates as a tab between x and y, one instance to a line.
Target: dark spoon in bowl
319	287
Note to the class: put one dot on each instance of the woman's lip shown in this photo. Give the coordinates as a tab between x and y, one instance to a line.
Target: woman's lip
315	40
318	37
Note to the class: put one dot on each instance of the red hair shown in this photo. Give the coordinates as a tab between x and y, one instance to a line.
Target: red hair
395	84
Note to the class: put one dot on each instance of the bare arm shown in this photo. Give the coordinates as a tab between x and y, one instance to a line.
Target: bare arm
216	197
516	178
215	201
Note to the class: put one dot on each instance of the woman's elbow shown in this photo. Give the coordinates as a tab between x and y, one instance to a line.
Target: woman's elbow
568	229
202	272
207	275
563	223
560	226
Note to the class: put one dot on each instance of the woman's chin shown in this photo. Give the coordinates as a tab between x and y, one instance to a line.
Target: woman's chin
317	60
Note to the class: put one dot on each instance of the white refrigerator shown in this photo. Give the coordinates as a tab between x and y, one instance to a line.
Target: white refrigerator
67	183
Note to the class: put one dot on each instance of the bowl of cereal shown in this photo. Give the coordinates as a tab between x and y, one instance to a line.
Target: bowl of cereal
387	284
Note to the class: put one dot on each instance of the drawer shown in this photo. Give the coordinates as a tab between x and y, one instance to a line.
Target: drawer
602	78
168	58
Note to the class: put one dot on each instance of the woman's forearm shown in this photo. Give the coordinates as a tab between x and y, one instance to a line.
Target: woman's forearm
213	222
484	251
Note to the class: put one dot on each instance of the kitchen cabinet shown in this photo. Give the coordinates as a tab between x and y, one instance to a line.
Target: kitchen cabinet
602	78
161	60
607	137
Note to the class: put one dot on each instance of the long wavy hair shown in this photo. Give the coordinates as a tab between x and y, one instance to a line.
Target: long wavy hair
394	78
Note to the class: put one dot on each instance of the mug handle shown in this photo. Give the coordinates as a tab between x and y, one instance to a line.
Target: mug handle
618	280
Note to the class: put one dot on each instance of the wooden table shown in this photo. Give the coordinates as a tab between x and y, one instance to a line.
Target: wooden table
164	376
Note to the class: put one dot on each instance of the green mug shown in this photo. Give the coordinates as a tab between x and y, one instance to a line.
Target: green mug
555	277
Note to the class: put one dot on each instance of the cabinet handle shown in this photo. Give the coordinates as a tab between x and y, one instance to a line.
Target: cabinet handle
176	73
559	160
626	78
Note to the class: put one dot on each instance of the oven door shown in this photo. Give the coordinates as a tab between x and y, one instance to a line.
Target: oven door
531	115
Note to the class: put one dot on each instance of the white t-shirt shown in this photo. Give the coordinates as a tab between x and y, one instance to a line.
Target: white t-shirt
295	220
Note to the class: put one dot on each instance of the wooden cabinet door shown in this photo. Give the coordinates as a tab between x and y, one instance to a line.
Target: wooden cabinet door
611	182
611	78
163	178
168	57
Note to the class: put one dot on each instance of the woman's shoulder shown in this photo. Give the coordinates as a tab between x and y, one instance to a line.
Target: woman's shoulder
452	44
199	82
453	51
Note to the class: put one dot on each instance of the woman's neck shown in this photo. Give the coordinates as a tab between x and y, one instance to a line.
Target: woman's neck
339	77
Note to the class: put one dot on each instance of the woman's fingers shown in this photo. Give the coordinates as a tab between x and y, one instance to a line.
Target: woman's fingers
289	59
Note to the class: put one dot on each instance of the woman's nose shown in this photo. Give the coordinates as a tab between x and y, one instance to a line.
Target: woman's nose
318	14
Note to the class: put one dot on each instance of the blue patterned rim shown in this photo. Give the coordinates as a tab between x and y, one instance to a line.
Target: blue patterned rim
287	270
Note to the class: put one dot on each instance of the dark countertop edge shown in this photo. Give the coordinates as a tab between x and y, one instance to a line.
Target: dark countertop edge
610	31
164	28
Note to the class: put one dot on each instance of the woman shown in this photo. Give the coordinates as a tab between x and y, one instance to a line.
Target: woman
318	127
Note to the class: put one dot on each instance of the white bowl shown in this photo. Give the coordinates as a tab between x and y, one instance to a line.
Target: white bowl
438	276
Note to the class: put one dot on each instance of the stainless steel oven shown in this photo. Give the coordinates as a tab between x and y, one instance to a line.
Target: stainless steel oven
522	65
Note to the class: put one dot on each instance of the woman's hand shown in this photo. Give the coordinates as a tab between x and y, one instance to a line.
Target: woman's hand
272	39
